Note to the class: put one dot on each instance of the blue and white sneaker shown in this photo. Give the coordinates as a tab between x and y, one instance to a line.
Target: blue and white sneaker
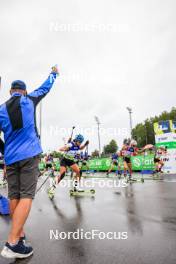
18	251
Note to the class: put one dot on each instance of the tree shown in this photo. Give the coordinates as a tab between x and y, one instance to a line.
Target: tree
111	147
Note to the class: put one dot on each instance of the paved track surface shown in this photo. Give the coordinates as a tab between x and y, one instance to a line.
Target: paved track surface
147	212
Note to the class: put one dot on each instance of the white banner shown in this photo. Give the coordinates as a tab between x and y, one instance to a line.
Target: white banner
168	137
170	161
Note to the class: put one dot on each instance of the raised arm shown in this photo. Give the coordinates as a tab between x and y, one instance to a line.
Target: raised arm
65	148
38	94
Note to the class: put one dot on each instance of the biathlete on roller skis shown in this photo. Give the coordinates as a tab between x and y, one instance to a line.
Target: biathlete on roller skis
82	161
115	162
128	150
159	163
68	160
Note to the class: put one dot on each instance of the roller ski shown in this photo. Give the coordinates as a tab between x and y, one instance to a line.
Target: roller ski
77	191
156	175
134	180
130	179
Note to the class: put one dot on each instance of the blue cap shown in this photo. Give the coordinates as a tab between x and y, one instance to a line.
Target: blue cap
18	85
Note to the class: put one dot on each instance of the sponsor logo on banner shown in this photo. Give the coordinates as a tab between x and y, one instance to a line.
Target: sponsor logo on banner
137	162
108	162
169	137
169	161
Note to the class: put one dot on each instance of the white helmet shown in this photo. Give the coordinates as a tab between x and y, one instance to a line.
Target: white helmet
133	142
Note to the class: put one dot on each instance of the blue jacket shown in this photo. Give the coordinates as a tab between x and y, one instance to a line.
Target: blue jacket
18	123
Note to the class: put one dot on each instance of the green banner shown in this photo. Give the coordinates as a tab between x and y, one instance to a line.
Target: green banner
169	145
99	164
42	166
138	163
103	164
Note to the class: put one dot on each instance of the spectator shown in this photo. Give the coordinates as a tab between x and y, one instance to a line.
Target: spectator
22	150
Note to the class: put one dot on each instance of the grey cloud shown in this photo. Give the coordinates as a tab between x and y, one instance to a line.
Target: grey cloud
133	66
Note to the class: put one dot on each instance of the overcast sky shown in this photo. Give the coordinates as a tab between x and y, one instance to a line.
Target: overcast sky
111	54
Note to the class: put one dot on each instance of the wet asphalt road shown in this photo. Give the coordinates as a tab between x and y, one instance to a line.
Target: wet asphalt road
147	212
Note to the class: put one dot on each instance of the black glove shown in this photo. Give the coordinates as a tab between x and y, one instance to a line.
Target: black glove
1	146
69	140
87	143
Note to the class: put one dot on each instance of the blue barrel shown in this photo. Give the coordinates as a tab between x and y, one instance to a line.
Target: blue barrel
4	206
146	171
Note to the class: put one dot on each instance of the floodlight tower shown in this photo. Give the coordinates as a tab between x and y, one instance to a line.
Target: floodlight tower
129	109
98	126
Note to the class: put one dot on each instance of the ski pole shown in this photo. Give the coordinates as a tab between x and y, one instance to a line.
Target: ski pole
42	184
70	139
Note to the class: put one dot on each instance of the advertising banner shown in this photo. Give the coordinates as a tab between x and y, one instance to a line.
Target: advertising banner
173	126
138	163
162	127
169	161
165	134
168	140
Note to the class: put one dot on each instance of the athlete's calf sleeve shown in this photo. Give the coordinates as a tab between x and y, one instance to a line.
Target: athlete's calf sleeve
62	176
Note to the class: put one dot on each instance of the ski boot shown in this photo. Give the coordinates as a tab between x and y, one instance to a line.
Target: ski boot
119	175
51	191
76	186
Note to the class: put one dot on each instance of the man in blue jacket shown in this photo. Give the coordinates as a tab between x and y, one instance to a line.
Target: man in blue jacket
21	153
